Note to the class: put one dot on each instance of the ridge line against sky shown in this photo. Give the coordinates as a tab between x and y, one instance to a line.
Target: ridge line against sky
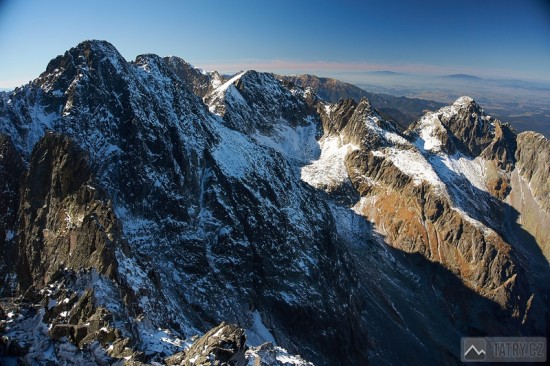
489	39
342	68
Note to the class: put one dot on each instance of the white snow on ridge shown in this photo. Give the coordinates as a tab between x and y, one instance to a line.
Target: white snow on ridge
274	356
329	170
372	124
429	126
439	170
413	164
462	101
226	91
461	167
228	83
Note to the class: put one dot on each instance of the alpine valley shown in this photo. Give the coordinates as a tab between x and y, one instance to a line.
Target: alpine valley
154	213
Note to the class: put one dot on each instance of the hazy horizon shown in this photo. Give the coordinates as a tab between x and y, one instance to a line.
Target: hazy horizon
325	38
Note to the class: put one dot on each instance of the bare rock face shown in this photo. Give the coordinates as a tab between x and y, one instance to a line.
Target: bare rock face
530	193
502	148
469	131
197	81
11	169
416	219
63	221
533	155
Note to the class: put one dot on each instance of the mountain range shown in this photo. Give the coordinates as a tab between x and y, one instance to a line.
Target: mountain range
156	213
400	110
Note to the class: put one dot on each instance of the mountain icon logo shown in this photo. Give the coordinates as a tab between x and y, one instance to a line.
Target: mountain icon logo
474	349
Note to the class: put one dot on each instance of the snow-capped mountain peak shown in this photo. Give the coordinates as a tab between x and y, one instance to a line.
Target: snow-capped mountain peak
462	126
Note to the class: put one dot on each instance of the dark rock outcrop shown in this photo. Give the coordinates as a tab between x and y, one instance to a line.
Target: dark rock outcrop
11	169
63	221
357	123
196	81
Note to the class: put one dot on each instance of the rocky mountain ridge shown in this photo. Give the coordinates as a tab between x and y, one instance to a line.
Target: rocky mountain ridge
314	226
401	110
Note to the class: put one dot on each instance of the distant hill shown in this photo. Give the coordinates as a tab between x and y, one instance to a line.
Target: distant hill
462	77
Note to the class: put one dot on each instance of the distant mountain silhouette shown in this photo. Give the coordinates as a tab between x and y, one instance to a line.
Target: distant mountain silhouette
462	77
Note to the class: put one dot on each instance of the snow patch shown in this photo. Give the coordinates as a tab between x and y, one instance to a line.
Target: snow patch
329	170
413	164
258	333
9	235
158	340
372	124
234	153
298	144
473	170
429	126
275	356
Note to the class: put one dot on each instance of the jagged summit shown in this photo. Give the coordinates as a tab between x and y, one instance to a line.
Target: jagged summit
461	127
464	100
359	123
87	53
401	110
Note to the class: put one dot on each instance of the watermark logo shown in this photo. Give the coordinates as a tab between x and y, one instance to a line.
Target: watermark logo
503	349
474	349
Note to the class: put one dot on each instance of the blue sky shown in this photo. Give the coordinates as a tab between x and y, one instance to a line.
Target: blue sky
488	38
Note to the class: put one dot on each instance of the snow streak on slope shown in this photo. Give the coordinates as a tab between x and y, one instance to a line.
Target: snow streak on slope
438	170
237	155
461	168
226	90
296	144
258	333
329	171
